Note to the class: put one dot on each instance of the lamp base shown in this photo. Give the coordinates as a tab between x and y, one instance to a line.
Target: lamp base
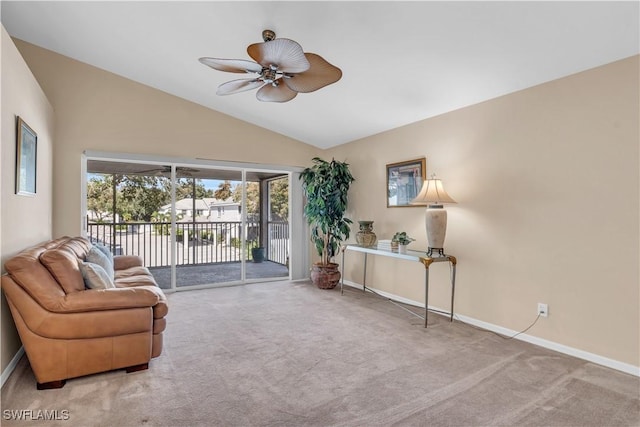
436	225
440	252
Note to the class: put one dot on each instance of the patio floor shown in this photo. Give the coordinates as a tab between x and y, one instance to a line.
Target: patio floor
221	272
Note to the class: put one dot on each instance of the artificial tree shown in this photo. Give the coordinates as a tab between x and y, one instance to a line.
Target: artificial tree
325	185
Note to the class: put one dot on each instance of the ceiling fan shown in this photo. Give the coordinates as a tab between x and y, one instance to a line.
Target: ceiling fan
282	70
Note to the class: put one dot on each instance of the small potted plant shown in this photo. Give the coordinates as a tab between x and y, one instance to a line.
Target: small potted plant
403	240
257	253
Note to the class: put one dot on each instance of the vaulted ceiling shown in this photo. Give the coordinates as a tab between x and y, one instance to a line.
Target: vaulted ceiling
401	61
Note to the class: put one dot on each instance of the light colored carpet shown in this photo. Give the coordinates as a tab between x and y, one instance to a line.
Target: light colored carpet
288	354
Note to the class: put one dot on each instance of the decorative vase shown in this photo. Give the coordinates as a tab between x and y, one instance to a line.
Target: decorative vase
366	237
402	249
325	276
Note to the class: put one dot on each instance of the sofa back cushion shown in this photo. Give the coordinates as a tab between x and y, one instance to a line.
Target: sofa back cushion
27	271
62	263
79	245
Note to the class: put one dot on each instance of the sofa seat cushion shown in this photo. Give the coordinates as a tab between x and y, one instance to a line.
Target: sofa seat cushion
123	262
135	280
132	271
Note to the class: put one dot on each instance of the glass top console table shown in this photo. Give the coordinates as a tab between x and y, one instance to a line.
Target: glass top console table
409	256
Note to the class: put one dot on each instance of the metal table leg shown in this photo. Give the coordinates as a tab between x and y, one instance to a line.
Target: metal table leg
426	295
453	287
342	274
364	275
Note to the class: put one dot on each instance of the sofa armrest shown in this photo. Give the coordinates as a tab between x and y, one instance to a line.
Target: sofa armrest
108	299
96	324
122	262
67	323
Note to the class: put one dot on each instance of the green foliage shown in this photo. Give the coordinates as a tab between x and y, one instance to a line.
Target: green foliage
138	198
161	224
325	185
279	199
184	189
100	197
278	203
224	191
141	197
402	238
253	198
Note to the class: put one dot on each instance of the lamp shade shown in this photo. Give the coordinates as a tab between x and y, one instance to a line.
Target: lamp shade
432	193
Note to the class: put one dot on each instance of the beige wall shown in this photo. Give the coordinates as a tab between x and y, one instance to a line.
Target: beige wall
529	171
547	185
97	110
24	220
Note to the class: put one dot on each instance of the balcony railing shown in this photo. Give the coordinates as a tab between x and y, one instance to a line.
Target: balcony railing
196	242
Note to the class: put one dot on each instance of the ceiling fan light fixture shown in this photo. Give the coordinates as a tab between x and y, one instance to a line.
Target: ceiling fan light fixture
276	59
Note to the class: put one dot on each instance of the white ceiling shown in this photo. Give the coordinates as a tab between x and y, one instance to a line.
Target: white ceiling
401	61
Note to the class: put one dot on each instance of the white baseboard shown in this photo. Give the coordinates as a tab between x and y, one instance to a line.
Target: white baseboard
11	366
561	348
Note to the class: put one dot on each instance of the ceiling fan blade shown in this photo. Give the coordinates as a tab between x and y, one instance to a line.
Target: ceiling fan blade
236	86
150	170
279	93
286	54
320	74
186	169
232	65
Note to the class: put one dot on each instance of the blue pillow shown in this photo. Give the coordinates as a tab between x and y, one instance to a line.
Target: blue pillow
95	277
96	256
105	250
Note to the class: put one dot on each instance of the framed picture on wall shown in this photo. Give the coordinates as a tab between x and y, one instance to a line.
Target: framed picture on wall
404	181
26	155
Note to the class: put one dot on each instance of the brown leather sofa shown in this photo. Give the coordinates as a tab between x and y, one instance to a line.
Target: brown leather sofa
69	331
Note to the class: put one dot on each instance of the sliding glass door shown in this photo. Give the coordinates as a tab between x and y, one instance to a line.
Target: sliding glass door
267	201
193	226
209	226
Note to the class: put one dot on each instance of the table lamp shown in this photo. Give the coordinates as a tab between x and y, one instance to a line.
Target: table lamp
433	195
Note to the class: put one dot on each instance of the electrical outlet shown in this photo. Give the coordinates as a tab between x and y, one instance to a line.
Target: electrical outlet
543	309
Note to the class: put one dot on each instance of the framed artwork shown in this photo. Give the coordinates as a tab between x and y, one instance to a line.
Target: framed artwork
26	155
404	181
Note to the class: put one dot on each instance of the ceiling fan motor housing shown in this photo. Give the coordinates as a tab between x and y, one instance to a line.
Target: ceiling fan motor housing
268	35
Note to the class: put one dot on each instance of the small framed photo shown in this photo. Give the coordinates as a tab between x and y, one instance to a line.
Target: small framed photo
26	156
404	181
